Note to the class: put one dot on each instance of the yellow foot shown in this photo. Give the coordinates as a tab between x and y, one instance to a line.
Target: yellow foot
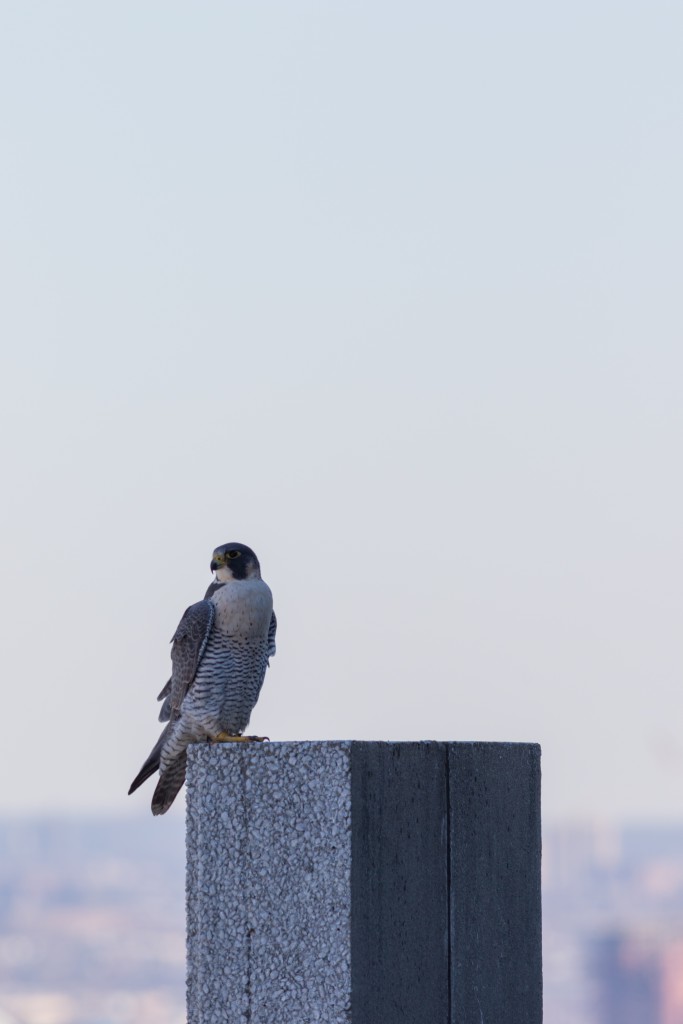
225	737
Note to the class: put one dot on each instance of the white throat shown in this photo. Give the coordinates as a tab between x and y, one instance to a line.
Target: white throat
224	575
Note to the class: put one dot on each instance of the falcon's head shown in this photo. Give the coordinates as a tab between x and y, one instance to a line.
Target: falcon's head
235	562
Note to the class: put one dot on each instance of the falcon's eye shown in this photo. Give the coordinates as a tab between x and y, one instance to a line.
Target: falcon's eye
232	554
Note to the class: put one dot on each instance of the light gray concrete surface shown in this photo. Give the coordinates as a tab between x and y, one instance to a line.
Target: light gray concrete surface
363	883
268	883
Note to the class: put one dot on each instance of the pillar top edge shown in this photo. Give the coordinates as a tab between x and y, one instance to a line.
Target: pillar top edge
285	746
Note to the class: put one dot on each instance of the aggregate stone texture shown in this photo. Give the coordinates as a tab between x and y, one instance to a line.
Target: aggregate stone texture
368	883
268	883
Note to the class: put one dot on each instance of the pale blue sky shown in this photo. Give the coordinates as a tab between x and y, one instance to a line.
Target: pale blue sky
391	292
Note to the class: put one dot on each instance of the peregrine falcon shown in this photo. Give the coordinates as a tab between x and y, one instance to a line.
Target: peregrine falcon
221	650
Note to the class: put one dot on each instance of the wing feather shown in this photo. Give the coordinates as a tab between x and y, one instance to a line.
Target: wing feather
165	695
189	643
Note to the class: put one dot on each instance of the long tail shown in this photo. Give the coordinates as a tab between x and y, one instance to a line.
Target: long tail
151	765
169	785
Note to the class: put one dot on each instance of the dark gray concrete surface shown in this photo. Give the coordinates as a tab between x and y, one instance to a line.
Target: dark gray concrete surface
399	883
495	883
364	883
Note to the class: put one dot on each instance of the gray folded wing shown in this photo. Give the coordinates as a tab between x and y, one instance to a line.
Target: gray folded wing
189	643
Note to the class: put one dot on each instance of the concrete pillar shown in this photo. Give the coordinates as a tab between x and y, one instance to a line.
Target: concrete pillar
364	883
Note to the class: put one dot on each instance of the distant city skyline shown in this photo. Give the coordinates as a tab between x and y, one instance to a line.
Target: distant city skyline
92	922
389	294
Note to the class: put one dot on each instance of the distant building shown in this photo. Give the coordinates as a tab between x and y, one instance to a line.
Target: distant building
672	983
628	983
639	979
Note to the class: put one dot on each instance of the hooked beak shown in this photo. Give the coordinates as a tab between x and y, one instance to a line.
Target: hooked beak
216	563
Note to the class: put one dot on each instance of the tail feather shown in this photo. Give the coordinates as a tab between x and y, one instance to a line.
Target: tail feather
151	765
169	785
